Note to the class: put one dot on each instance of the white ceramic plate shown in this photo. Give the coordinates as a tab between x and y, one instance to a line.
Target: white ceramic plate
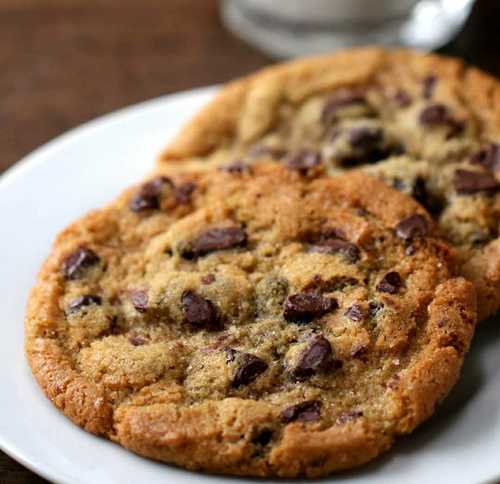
88	167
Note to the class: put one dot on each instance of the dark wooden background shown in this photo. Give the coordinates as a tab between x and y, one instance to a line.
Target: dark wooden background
64	62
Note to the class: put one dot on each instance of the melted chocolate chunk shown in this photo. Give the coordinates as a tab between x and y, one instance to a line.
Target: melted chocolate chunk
230	354
398	184
339	101
303	161
355	313
374	307
139	300
412	227
148	196
303	307
307	411
215	239
83	301
263	437
359	351
469	182
488	156
434	114
249	368
366	138
199	312
390	283
438	114
350	251
456	126
420	193
184	192
73	267
368	144
317	356
429	86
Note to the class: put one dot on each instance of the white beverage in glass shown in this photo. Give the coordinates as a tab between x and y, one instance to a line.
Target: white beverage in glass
289	28
333	11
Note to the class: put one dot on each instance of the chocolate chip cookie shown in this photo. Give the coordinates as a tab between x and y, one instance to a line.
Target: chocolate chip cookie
426	124
259	321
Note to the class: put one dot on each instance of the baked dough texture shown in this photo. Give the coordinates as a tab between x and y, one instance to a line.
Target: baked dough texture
426	124
267	320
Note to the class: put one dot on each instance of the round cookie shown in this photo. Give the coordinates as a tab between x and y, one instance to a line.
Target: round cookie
427	124
256	322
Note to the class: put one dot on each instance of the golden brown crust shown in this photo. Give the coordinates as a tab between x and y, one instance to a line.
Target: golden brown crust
252	108
294	81
163	390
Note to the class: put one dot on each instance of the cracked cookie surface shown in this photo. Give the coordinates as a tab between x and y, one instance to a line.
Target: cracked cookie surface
427	125
255	323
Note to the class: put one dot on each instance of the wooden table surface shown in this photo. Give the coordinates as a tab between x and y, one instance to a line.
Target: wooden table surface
66	61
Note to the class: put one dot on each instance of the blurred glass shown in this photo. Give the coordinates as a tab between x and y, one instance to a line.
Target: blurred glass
290	28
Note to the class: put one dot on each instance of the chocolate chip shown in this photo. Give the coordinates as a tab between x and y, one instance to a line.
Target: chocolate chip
434	114
139	300
412	227
438	114
359	351
349	417
213	240
365	138
419	190
263	437
488	156
235	167
374	307
420	193
429	86
307	411
303	307
303	161
456	126
208	279
368	146
355	313
398	184
469	182
390	283
402	98
184	192
316	356
148	196
230	354
339	101
74	265
83	301
199	311
347	249
410	250
250	367
137	340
